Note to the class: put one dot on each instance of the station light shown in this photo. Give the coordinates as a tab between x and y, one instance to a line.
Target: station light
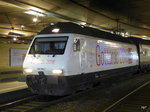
82	26
83	23
144	36
126	34
15	34
22	26
55	30
14	39
34	19
112	32
51	23
33	12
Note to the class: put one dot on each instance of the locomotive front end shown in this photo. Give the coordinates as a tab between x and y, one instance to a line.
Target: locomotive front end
45	65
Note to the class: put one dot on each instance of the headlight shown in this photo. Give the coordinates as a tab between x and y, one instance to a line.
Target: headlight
57	71
28	70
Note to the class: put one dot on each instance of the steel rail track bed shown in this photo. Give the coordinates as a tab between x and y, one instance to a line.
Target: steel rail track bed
136	101
38	103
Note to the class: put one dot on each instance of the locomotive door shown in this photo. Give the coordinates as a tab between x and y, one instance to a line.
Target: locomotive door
83	56
83	61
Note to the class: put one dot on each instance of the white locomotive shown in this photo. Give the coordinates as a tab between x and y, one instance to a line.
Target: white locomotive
66	57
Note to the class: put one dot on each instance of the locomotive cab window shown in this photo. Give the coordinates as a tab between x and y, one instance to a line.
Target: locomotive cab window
76	45
49	45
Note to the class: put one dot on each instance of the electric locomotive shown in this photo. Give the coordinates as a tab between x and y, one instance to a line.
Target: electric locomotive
66	57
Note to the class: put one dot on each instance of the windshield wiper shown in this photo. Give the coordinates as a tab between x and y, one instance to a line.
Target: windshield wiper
53	55
34	52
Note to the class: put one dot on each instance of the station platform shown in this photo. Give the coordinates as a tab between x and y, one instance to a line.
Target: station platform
6	87
9	76
9	82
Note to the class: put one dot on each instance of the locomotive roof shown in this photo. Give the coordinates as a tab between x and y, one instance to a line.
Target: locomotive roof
68	27
139	40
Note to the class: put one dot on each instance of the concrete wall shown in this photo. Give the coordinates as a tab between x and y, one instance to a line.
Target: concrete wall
5	57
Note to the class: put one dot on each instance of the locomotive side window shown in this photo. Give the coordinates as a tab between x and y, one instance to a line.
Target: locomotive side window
76	45
49	45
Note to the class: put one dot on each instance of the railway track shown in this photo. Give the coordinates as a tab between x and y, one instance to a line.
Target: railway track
14	105
14	95
136	101
37	103
30	104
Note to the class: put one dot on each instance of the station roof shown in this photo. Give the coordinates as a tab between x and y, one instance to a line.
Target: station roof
130	17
